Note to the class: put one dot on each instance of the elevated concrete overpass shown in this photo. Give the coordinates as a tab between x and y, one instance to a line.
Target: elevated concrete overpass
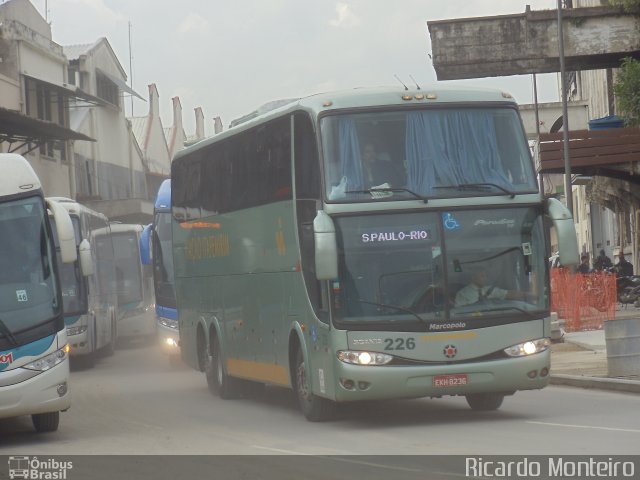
594	38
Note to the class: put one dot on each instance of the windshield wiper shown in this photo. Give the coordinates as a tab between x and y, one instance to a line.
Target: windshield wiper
7	333
463	186
504	309
396	307
390	189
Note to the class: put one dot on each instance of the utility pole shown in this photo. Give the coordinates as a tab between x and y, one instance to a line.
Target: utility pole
565	115
130	68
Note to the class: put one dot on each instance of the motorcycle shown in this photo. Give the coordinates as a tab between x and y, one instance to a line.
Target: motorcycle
628	289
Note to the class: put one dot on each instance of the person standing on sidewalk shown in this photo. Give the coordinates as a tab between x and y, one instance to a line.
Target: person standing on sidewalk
602	262
623	267
584	264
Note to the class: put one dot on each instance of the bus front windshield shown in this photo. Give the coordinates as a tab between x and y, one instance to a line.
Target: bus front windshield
128	273
74	292
163	261
28	288
411	270
430	153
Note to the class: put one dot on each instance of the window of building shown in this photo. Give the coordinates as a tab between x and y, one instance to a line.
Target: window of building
45	102
107	90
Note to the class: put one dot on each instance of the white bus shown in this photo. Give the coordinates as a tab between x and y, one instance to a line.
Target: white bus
89	290
34	362
134	283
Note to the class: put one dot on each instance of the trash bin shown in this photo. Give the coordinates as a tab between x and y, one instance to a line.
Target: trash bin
622	338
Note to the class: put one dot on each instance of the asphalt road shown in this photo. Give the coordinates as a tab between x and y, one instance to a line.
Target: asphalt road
136	403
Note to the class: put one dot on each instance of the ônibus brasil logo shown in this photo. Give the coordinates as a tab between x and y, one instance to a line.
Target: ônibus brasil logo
36	469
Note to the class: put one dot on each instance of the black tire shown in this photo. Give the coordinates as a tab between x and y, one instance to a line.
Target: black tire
485	401
314	408
46	422
217	379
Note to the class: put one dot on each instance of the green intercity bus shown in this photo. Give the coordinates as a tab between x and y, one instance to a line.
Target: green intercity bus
296	265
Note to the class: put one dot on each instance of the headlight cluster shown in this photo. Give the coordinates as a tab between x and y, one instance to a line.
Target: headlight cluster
165	322
528	348
50	361
76	330
364	358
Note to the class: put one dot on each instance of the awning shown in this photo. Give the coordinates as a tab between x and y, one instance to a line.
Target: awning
120	83
68	90
17	127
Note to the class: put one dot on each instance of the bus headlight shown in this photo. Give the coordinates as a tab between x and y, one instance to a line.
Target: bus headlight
50	361
528	348
76	330
364	358
166	322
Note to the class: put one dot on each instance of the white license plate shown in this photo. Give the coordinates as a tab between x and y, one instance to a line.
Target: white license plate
443	381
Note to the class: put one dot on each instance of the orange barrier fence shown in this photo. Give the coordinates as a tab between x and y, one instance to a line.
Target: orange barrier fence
584	301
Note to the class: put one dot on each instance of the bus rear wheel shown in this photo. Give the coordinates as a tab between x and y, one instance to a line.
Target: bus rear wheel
314	408
46	422
485	401
217	379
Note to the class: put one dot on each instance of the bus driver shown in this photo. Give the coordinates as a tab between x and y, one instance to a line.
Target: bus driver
480	290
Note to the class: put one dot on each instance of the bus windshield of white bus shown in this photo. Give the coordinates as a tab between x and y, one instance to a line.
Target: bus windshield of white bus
74	294
423	268
27	281
128	274
426	153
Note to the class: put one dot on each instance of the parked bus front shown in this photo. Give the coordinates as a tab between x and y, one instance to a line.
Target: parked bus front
34	366
163	276
136	317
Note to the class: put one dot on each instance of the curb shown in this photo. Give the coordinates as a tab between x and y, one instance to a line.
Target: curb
616	384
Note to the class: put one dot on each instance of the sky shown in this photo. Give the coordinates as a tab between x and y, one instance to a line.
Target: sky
230	57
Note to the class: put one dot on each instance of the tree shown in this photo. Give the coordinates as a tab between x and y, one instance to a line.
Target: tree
627	91
628	5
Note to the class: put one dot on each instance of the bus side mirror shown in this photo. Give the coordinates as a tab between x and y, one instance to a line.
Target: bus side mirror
326	254
565	231
64	228
86	262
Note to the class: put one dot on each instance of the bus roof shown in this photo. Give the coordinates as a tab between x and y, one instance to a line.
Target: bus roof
360	98
163	198
17	175
73	206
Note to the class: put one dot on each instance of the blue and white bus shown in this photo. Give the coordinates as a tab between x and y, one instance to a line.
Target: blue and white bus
88	285
34	361
156	241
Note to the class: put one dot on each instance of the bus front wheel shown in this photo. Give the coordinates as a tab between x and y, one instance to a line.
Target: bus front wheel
485	401
46	422
314	408
217	379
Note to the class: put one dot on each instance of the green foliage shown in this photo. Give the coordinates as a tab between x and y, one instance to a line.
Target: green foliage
629	5
627	91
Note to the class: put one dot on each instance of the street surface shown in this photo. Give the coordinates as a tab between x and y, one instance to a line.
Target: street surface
136	403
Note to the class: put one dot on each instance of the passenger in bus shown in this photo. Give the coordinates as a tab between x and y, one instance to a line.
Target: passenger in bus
480	290
377	170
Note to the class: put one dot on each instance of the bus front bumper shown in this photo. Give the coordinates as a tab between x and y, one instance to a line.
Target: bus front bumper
508	375
168	338
79	343
23	393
